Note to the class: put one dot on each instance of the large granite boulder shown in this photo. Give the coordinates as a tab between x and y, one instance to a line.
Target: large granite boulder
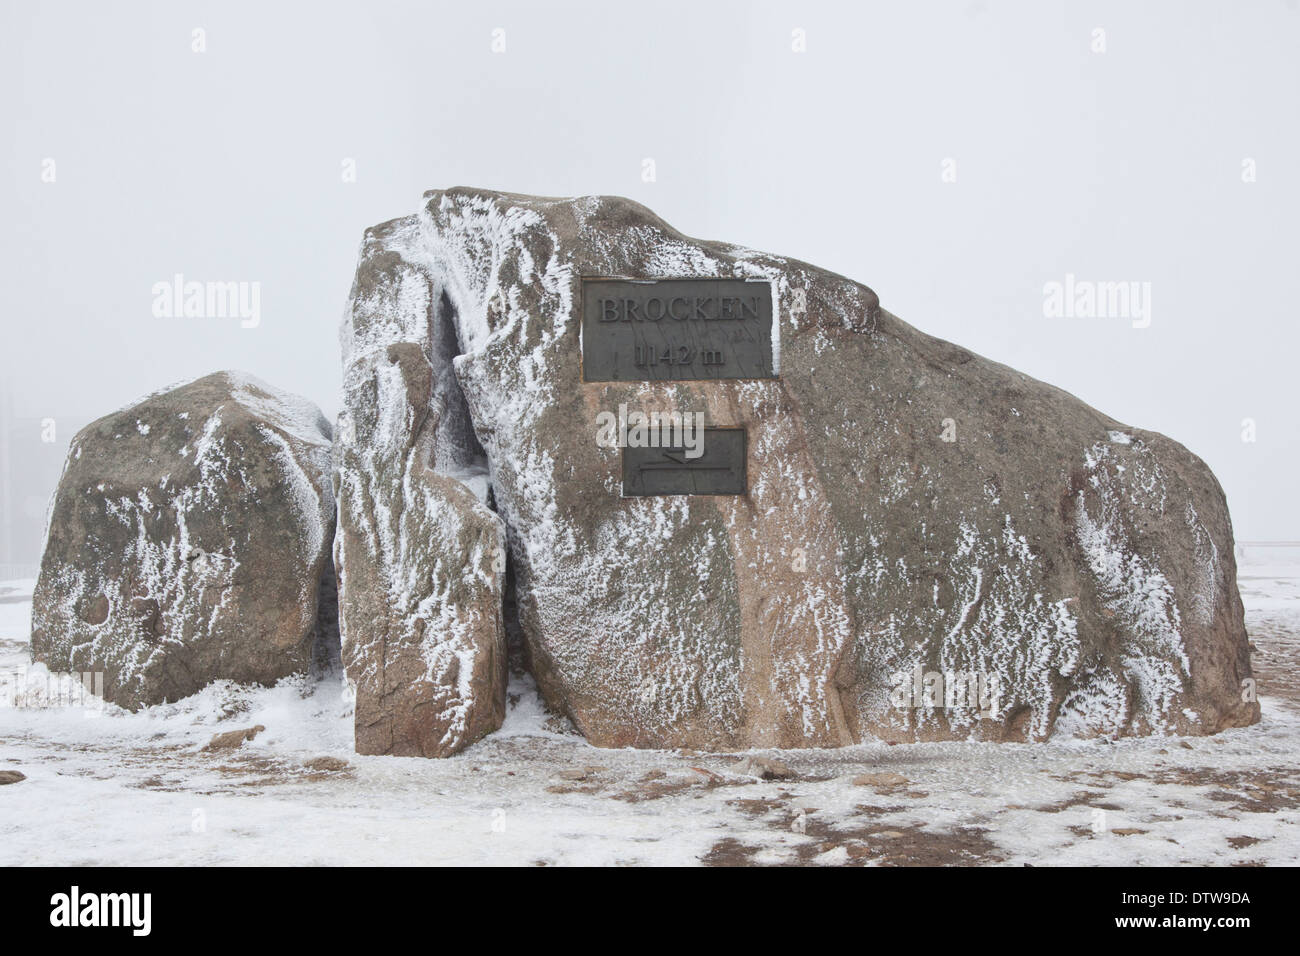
912	509
189	540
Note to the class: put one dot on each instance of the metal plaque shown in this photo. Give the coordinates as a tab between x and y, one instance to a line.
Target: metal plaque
720	469
676	329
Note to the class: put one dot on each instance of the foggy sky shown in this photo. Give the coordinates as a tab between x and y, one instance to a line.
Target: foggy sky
1122	165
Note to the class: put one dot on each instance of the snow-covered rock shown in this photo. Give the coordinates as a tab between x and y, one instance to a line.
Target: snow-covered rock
189	540
421	558
913	510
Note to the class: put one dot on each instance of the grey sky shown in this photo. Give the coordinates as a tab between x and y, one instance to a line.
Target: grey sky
1123	165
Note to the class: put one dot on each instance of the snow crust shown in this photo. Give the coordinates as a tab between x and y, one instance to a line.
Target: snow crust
114	788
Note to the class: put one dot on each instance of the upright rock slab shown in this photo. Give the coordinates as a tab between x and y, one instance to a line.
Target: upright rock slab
909	509
421	557
189	541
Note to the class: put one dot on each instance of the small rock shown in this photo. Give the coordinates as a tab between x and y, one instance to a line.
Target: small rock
558	724
11	776
579	773
1185	745
764	768
233	738
1127	831
887	779
327	764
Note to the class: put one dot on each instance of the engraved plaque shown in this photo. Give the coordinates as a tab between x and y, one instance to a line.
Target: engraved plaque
676	329
719	470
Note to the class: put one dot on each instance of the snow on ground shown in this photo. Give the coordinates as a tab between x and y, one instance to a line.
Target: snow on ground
108	787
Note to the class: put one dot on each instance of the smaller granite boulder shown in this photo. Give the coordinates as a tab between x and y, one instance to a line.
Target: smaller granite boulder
189	541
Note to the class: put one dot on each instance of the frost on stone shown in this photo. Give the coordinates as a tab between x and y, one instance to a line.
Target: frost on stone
191	547
986	619
1144	686
866	547
420	618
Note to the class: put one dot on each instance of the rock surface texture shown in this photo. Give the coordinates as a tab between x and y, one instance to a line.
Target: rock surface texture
421	557
189	541
1082	568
